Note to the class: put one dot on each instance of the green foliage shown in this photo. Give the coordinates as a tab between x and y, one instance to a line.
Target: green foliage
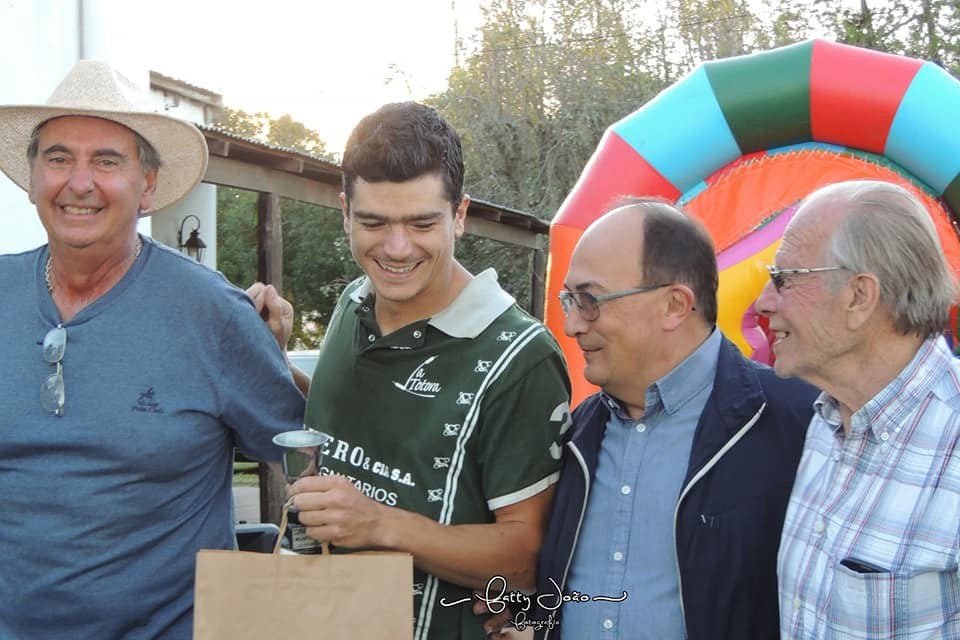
712	29
785	22
513	264
316	257
925	29
317	265
532	102
548	77
287	132
282	132
544	80
241	123
237	235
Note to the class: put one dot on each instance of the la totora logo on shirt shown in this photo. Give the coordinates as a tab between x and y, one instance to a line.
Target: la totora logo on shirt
417	383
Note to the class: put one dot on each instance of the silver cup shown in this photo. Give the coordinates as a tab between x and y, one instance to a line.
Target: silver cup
302	452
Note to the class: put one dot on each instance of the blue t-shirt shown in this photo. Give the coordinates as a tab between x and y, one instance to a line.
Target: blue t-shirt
104	508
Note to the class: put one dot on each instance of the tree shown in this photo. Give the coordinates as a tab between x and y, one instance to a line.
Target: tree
316	259
548	77
925	29
317	265
237	235
545	78
712	29
282	132
531	103
783	23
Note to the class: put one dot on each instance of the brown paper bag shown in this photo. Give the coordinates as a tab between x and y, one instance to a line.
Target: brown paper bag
259	595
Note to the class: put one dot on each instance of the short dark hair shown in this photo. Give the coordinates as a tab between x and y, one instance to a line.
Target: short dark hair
677	248
402	141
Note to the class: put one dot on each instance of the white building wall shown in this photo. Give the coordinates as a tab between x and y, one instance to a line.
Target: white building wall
202	202
39	44
40	40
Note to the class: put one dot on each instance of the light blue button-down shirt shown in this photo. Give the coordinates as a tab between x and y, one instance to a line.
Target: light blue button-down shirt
626	543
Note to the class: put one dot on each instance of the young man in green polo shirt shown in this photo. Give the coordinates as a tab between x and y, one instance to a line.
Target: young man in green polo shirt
446	401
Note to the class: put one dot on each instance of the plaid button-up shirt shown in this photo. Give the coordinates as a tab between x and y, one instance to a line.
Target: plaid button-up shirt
870	542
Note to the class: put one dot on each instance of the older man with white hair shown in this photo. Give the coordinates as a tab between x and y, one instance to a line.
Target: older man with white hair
132	374
858	301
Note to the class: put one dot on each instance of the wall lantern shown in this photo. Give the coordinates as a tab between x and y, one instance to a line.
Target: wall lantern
194	246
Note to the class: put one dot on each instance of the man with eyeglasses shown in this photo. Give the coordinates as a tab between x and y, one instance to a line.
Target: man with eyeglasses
131	374
676	476
858	303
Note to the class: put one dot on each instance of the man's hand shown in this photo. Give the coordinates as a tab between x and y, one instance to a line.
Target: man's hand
333	510
275	311
494	625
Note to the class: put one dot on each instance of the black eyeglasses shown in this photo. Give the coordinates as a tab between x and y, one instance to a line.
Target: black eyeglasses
588	305
52	389
777	275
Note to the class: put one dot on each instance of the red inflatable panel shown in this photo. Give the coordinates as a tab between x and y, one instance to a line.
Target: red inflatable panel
855	93
614	170
562	241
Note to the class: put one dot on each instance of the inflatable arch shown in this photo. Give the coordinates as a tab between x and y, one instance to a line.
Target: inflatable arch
738	142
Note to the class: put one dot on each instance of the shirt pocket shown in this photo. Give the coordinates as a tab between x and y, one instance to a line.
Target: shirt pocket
893	605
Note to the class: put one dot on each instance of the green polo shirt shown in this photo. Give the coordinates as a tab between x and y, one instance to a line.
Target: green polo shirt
451	417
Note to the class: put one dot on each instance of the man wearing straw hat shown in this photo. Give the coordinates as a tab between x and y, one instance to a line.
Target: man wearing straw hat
132	372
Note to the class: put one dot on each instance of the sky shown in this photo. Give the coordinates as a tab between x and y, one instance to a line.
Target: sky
325	62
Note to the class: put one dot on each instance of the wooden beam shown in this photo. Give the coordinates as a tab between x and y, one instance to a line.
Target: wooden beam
272	494
290	165
538	283
270	240
486	214
503	233
241	175
270	270
219	147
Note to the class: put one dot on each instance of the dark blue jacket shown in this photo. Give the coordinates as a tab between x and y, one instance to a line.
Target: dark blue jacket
745	453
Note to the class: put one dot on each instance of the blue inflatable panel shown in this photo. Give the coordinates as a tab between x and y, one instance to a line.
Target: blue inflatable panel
692	193
922	138
682	132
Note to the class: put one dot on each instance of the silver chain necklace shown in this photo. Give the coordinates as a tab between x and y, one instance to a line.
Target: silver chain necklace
46	269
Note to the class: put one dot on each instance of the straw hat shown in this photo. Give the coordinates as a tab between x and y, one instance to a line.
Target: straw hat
95	89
